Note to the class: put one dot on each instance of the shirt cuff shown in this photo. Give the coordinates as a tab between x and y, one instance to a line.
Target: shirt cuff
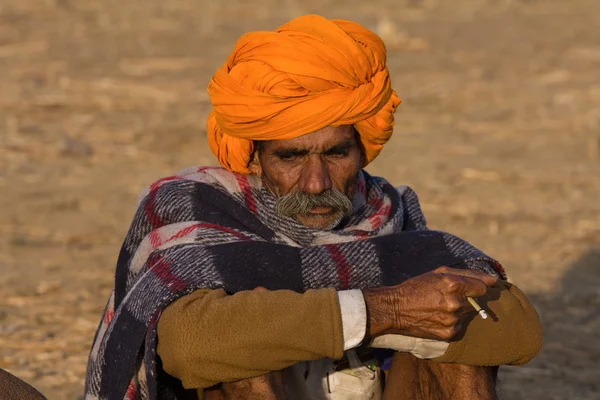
354	317
418	347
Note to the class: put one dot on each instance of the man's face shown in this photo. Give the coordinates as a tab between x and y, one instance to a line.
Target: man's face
313	176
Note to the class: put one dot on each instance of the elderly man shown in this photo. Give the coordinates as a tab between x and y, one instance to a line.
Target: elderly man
285	273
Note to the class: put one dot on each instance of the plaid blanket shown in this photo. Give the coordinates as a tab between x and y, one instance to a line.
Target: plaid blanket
209	228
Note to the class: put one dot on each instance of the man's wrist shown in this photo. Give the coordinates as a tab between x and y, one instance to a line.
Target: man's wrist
380	311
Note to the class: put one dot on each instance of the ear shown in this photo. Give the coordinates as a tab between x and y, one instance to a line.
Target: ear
363	157
254	164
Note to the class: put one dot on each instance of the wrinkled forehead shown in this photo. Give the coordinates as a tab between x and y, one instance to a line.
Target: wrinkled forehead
320	140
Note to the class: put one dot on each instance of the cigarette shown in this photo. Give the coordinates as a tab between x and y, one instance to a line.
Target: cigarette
477	308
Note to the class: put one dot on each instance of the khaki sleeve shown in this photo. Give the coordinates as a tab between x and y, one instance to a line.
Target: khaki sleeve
208	337
512	335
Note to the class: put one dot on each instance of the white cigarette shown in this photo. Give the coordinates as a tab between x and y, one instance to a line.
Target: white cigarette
478	308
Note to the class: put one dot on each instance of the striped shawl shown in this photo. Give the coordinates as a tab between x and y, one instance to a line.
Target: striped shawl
209	228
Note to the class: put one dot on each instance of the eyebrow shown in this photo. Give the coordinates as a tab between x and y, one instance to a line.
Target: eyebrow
339	148
290	152
299	152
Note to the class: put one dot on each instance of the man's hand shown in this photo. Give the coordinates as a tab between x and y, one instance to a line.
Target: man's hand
431	306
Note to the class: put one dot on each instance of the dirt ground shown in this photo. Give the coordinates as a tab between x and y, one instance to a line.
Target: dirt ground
499	133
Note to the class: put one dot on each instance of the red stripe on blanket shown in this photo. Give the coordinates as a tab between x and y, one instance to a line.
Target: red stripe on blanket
359	234
131	392
108	315
153	218
380	212
155	239
377	218
161	268
184	232
341	265
376	204
361	187
159	182
225	229
189	229
246	189
499	269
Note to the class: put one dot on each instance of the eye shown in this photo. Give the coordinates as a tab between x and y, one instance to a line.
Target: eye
288	157
338	154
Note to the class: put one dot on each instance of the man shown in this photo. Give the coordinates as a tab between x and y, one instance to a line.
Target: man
278	275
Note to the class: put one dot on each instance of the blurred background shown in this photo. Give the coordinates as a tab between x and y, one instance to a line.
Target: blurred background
498	132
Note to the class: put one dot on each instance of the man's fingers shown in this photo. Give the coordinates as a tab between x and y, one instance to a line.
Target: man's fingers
488	279
260	289
471	287
463	286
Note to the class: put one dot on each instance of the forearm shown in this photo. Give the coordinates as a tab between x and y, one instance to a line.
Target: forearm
209	337
383	334
380	311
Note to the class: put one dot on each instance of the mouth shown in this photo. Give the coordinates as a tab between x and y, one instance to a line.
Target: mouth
321	211
322	218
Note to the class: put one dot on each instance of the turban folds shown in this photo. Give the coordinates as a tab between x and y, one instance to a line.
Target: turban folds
306	75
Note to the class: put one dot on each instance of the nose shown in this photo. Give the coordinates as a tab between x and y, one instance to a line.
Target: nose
315	177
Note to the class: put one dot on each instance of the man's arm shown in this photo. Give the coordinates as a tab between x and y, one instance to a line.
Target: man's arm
208	337
513	334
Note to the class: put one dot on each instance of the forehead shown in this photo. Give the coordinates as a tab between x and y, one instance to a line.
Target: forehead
321	139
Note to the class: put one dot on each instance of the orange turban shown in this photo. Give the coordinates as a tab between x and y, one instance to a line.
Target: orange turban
308	74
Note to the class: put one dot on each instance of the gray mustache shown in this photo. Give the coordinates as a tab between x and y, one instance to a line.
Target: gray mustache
300	203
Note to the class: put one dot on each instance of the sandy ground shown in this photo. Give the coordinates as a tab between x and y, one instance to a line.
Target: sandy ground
499	133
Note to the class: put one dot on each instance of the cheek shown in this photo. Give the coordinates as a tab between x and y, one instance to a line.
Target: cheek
344	174
281	180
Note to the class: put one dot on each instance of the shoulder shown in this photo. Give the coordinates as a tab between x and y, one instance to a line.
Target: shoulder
409	196
405	194
406	199
216	177
414	219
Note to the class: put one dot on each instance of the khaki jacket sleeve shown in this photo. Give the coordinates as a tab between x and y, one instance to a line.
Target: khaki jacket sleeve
512	335
208	337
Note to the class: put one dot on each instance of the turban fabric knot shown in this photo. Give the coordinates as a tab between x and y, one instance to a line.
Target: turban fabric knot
308	74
